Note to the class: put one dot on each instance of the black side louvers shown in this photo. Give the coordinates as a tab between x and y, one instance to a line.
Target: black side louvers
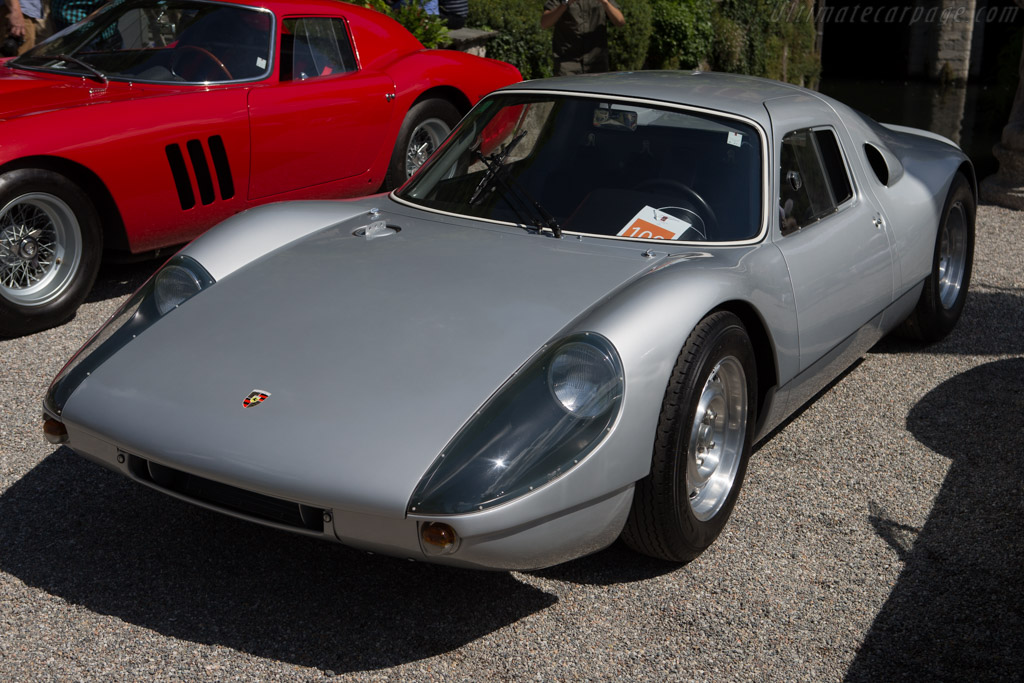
200	163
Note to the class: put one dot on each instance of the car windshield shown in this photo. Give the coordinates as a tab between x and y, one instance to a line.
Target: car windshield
163	41
606	167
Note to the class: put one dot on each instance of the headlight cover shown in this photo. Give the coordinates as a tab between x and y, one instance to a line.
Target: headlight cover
149	303
173	285
537	427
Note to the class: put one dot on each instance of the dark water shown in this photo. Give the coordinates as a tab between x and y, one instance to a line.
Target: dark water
972	116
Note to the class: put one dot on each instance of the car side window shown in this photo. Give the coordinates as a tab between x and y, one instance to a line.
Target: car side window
313	47
814	179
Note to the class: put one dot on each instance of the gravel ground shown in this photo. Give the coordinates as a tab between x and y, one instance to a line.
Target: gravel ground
878	537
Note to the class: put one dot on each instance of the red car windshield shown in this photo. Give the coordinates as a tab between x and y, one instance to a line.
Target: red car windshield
168	41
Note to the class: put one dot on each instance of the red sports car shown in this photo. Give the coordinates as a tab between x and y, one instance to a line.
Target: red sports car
152	120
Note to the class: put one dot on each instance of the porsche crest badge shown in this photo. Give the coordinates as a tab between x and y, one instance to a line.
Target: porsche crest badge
255	398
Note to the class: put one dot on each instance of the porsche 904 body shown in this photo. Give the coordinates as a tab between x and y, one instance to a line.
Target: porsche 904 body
570	325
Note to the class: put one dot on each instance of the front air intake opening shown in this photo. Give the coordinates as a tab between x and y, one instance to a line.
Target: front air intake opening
231	499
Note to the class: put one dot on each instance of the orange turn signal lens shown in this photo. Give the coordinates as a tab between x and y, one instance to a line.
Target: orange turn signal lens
55	431
437	538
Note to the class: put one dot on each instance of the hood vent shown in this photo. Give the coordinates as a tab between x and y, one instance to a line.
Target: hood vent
204	177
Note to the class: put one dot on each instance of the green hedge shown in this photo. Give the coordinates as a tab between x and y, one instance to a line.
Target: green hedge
429	29
628	45
773	38
521	41
681	36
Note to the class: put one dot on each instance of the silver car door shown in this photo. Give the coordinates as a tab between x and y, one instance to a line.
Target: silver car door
829	229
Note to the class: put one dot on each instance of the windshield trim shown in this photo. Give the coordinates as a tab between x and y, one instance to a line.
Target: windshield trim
765	166
85	74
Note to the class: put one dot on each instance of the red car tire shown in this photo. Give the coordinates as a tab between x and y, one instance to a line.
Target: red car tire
50	248
426	125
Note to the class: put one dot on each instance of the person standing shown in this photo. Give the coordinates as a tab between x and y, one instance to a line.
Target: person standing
25	20
580	40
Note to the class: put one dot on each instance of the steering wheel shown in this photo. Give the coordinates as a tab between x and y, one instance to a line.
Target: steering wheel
202	52
704	210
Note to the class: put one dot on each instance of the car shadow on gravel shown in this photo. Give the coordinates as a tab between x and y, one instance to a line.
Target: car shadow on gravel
988	327
957	610
613	565
95	539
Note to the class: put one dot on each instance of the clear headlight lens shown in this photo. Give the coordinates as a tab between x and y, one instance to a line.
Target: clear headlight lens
582	379
539	425
179	279
173	285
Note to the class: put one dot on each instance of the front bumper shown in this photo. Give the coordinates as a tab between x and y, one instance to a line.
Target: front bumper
502	538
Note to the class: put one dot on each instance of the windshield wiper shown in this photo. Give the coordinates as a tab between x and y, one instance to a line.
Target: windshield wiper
512	185
493	163
496	173
100	76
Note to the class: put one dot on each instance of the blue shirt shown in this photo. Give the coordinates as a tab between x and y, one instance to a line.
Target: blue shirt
32	8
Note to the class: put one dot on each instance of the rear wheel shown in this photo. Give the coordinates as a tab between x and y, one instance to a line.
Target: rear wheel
426	125
50	245
702	445
945	291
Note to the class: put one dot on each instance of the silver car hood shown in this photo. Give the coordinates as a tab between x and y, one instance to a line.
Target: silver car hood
374	352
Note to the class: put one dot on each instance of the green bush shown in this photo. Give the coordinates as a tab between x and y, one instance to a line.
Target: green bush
771	38
628	45
728	45
681	36
520	40
429	29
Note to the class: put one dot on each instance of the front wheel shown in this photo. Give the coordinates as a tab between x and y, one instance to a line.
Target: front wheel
425	127
945	291
50	245
701	447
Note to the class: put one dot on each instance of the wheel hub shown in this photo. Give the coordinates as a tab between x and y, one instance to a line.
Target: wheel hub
40	248
952	255
425	139
29	249
716	439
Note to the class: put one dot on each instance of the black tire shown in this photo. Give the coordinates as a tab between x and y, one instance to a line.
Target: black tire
945	291
50	248
426	125
682	505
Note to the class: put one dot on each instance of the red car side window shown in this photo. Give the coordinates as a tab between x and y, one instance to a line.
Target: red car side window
314	48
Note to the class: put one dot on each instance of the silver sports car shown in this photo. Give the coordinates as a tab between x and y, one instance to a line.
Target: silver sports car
569	326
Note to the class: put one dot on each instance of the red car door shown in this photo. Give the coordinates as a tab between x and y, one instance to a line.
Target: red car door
325	120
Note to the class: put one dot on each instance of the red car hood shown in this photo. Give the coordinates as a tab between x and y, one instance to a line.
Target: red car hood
24	93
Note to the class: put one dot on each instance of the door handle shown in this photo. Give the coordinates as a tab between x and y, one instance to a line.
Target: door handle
877	220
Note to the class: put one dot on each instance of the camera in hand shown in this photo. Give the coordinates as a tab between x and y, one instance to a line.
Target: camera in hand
9	46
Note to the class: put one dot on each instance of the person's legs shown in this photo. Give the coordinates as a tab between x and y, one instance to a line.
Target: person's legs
31	35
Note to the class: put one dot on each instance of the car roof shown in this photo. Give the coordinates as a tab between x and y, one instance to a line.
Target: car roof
736	94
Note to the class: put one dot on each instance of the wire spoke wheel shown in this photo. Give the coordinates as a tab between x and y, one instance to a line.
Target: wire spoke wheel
40	248
425	139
